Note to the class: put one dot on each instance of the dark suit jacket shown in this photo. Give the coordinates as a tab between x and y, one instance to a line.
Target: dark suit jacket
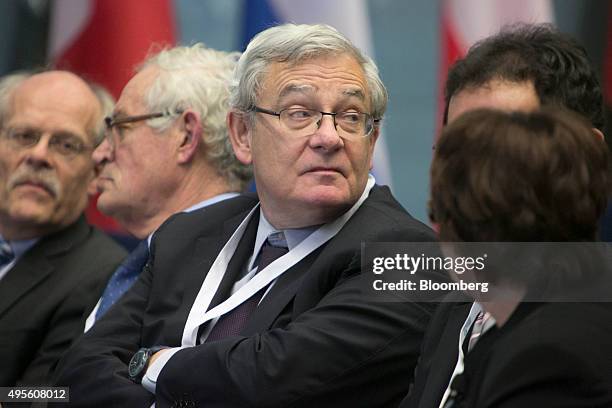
439	353
546	355
44	296
315	340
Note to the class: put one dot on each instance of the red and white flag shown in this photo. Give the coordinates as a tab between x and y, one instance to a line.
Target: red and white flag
104	40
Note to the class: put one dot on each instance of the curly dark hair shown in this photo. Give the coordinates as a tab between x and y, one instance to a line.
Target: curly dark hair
557	65
522	177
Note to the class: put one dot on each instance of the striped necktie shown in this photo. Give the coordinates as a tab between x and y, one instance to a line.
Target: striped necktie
232	323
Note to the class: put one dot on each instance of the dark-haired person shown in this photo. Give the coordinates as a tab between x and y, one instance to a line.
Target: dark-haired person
520	68
550	178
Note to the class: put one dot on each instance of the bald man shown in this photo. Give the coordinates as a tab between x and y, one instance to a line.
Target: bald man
52	263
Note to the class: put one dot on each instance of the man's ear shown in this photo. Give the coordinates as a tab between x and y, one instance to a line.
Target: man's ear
599	133
240	136
190	136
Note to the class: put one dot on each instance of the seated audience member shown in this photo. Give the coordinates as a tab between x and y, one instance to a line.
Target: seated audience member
53	265
521	68
166	150
527	177
267	308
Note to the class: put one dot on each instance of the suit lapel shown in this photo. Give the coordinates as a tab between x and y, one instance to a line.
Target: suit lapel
239	260
282	292
34	266
22	278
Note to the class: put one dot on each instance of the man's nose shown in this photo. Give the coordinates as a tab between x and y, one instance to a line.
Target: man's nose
326	137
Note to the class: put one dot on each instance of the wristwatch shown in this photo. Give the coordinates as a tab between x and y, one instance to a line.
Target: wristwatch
140	361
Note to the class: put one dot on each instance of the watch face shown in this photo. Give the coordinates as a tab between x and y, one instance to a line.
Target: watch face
137	363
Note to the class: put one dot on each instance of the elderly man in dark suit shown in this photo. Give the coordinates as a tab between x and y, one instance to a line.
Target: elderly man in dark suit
53	265
263	305
178	97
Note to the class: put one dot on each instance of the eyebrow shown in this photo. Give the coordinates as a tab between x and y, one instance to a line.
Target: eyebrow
309	89
354	93
61	132
295	88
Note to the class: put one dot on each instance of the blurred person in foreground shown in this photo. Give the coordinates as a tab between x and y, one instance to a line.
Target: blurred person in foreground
521	68
53	265
267	308
166	150
529	177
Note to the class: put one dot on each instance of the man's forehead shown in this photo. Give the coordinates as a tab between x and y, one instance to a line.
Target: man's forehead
341	76
47	109
311	89
495	94
134	91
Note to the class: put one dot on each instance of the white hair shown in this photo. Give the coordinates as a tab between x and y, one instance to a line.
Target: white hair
196	77
8	83
107	103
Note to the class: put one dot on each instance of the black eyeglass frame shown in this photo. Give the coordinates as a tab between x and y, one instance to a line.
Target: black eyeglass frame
375	121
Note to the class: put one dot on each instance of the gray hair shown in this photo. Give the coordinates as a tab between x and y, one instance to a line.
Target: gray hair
107	104
198	78
8	84
294	44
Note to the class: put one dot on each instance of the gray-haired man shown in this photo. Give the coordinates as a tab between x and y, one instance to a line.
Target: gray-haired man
270	310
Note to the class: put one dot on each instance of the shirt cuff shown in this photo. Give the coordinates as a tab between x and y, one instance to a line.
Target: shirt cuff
149	381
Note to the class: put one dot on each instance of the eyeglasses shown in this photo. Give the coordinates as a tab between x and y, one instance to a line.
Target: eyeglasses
64	144
114	123
304	122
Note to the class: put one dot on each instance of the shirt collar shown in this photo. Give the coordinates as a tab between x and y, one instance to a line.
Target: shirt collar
293	236
211	201
201	204
21	246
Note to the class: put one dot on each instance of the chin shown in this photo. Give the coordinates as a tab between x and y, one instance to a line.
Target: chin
108	202
32	215
331	196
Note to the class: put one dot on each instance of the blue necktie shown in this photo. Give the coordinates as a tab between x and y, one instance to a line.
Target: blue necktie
6	253
124	277
232	323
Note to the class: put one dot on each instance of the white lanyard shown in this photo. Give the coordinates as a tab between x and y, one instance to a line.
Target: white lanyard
260	280
469	321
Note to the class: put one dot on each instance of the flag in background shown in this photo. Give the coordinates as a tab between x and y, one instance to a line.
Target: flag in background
463	22
350	17
104	40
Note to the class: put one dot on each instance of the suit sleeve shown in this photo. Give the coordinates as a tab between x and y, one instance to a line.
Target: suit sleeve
95	368
345	342
65	325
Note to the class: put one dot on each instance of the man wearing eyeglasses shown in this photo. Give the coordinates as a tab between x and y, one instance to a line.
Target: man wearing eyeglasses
268	308
166	150
53	265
